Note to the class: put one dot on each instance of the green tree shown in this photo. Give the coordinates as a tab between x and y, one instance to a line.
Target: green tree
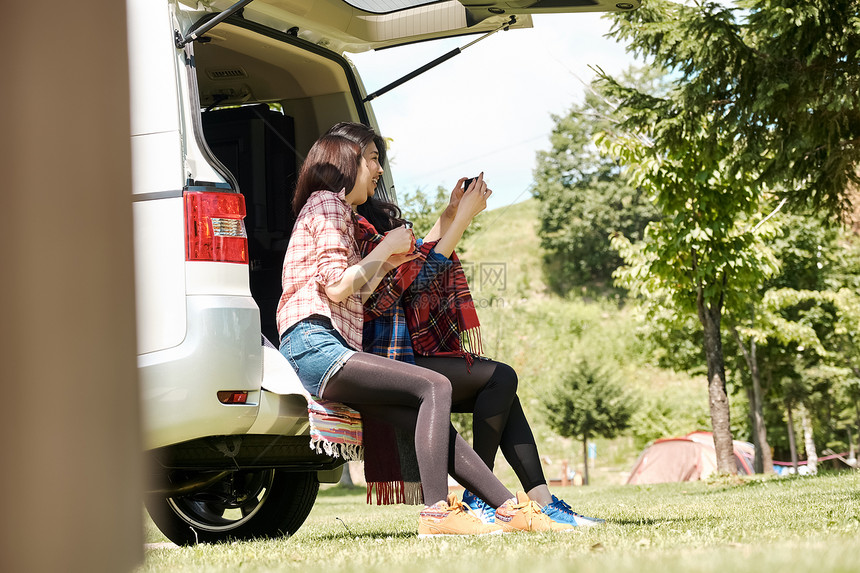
584	196
779	76
802	245
588	404
774	349
708	252
725	140
801	327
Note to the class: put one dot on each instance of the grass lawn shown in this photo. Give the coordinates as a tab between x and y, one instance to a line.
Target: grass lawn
789	524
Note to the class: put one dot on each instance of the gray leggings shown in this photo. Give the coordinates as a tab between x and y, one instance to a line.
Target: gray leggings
488	389
417	400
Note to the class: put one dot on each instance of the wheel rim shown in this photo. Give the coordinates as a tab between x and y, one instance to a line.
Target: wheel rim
228	504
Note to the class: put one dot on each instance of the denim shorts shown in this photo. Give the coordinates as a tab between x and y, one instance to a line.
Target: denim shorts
316	351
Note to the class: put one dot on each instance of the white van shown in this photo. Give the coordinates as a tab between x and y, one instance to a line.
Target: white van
226	99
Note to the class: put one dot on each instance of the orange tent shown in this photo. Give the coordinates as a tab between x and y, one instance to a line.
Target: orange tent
686	458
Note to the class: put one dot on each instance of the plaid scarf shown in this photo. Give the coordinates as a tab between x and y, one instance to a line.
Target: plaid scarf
441	316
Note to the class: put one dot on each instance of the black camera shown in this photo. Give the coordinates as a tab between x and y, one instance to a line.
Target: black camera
468	182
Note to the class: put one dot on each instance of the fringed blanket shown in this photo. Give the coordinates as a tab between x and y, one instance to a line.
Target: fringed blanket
336	429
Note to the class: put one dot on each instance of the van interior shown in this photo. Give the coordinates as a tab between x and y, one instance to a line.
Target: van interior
265	96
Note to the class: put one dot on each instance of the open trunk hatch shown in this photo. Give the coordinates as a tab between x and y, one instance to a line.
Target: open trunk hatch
361	25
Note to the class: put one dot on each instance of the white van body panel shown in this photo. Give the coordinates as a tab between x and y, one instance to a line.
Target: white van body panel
221	351
216	279
156	169
341	27
156	162
281	414
198	327
278	376
152	69
159	262
283	403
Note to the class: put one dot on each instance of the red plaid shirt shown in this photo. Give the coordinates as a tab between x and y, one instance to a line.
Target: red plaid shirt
322	246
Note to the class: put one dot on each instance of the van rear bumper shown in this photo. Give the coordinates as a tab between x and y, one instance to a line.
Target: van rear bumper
247	452
179	385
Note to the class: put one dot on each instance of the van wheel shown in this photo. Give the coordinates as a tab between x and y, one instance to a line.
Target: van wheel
242	505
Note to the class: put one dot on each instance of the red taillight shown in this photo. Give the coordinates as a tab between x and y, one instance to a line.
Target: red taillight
214	230
232	397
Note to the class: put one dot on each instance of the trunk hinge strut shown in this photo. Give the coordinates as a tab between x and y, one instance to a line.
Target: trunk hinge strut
210	23
437	61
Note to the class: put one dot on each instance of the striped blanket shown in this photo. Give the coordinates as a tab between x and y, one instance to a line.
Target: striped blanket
336	430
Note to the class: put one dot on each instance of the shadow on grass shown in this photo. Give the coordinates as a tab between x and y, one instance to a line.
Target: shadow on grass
370	535
644	522
720	484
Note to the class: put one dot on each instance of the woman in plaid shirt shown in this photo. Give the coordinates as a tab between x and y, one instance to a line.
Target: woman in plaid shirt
320	322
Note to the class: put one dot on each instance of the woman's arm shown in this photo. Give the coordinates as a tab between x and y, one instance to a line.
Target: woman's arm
438	259
447	216
421	269
434	265
474	201
364	276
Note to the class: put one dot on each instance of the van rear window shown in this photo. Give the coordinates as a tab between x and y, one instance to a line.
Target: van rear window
387	6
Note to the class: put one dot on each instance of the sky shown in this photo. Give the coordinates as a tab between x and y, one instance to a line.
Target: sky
489	108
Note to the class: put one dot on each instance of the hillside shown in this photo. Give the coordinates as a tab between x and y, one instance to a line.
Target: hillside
541	334
508	241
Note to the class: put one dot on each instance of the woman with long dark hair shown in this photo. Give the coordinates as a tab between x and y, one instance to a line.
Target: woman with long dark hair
430	296
320	322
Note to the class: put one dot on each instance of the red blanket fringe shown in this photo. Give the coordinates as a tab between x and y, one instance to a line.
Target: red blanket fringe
391	492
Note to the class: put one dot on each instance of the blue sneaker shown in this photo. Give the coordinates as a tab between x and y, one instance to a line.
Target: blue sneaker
559	511
480	508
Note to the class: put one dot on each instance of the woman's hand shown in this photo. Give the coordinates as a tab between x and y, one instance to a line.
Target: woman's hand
396	260
363	277
399	240
474	199
454	201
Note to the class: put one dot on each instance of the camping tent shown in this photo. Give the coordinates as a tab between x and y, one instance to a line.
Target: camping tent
686	458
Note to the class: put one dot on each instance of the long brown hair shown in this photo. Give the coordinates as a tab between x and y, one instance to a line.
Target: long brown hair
383	215
331	165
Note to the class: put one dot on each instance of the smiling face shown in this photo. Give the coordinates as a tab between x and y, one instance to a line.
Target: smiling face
369	172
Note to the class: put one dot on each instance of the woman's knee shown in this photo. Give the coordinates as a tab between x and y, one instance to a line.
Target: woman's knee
438	386
505	378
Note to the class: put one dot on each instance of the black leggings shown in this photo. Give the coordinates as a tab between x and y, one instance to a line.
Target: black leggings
489	390
419	401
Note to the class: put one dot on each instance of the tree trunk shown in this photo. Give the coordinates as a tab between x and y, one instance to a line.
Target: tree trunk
753	433
585	460
346	478
792	443
857	411
717	397
808	441
763	457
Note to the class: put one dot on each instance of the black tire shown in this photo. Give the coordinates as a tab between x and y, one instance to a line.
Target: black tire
243	505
